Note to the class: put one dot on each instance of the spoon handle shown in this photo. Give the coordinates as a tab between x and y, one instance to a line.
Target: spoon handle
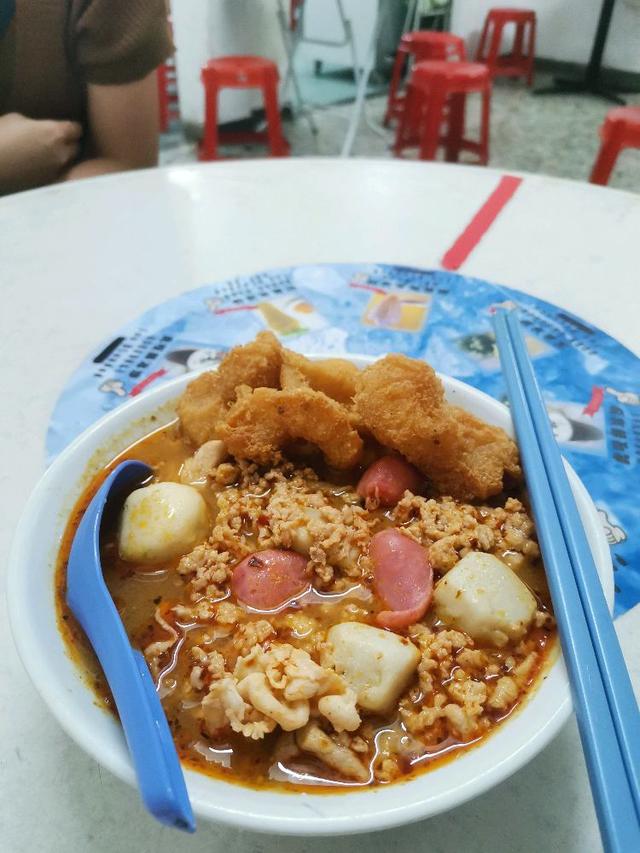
173	806
145	726
153	753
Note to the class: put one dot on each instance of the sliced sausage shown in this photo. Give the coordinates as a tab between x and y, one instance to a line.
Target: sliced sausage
387	479
267	579
403	578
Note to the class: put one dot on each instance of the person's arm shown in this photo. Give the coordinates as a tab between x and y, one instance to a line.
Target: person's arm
34	152
122	128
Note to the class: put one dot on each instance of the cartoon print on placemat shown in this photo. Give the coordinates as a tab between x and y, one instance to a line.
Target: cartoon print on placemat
195	359
626	397
285	315
113	386
388	308
481	347
614	533
590	382
406	312
576	430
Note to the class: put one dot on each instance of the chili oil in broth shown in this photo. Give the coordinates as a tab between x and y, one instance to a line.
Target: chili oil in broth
138	590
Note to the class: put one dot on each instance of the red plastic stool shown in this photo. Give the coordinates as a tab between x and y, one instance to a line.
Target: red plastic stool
420	46
621	129
518	63
241	72
168	107
434	87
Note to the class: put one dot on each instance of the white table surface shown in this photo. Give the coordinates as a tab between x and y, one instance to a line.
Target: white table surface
78	261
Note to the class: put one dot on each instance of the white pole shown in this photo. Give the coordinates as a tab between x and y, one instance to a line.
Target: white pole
363	82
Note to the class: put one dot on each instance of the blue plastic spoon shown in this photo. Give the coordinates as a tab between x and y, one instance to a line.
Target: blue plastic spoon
146	730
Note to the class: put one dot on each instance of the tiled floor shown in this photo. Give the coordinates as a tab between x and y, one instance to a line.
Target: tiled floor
555	135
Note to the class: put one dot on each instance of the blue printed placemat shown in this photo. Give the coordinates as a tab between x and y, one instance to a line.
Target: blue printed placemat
590	381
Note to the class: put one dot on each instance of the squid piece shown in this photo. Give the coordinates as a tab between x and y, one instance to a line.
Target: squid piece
312	739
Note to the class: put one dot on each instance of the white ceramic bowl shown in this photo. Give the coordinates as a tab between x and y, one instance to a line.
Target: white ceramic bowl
32	612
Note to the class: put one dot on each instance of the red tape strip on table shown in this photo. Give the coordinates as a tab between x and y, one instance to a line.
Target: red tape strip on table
480	224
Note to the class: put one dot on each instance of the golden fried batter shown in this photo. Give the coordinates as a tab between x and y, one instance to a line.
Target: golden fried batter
205	400
256	364
335	377
401	402
263	421
200	408
330	403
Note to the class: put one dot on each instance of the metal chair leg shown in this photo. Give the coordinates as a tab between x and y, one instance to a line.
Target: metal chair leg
290	77
361	93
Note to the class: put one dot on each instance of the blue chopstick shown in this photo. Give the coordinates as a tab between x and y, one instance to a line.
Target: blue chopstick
624	708
614	790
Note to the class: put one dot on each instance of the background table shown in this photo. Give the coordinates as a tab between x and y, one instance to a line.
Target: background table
78	261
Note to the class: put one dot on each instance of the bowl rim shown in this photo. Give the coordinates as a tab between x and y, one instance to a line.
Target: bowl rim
312	821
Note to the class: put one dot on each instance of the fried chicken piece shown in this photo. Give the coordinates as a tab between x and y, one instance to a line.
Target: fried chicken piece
335	377
201	408
488	454
256	364
264	420
204	403
401	402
